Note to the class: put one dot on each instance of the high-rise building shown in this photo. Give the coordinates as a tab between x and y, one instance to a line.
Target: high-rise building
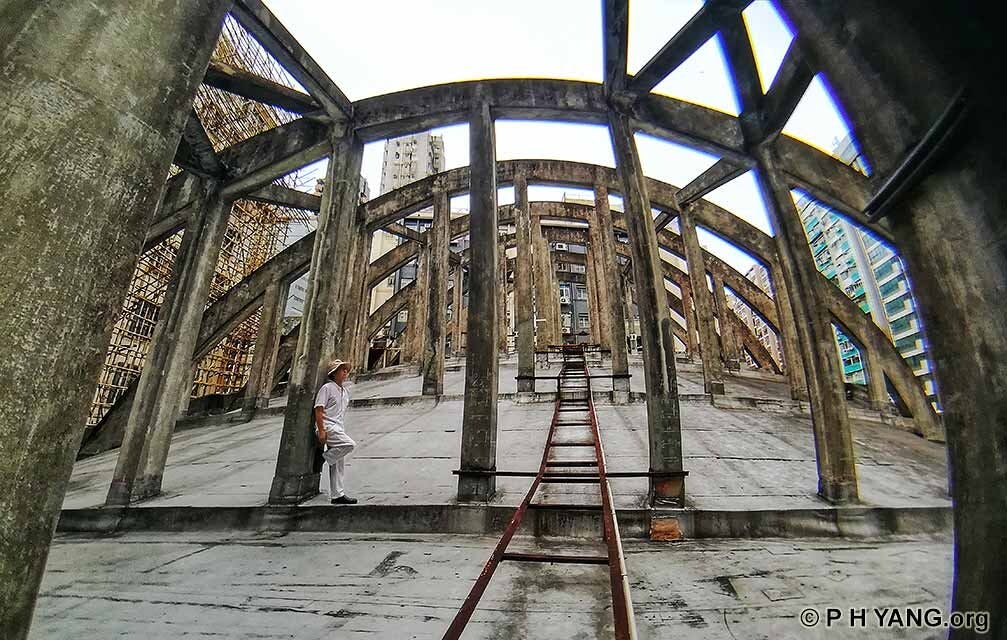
406	160
759	275
872	275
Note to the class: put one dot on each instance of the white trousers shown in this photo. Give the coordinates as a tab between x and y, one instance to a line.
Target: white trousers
338	445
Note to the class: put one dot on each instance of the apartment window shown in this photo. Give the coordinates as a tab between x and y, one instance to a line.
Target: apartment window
890	287
581	292
584	320
901	325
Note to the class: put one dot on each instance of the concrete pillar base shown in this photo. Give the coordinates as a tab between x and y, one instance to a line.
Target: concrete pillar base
620	384
525	385
715	387
119	493
293	489
839	492
667	492
620	396
147	487
476	488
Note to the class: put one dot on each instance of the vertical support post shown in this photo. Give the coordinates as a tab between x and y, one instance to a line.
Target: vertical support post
456	311
437	291
72	222
167	375
663	417
523	313
709	349
612	309
837	472
546	296
877	391
690	320
479	419
331	278
502	297
790	344
590	260
730	344
267	342
417	327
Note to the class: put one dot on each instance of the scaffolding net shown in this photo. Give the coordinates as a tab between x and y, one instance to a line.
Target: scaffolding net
256	232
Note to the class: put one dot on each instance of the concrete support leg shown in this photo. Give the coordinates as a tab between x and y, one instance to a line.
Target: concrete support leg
267	342
416	329
437	292
457	300
594	328
83	158
790	345
330	281
663	417
479	420
893	73
729	339
837	472
613	309
877	391
167	373
690	321
709	348
546	297
502	299
523	297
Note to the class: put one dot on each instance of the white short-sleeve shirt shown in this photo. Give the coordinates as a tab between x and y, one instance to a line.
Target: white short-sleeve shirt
334	400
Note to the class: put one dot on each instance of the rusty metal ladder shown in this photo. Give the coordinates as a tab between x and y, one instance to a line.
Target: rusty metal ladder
573	395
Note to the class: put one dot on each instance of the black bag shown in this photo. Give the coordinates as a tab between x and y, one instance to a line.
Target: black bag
317	460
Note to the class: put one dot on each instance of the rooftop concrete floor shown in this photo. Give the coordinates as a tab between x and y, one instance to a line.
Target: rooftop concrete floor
309	586
737	458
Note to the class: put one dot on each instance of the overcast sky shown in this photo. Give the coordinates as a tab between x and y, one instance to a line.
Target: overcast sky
381	46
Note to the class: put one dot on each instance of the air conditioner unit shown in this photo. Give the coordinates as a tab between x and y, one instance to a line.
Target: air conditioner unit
566	329
632	337
564	299
562	246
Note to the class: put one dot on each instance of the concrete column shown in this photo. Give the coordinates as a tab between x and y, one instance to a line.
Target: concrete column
590	260
523	296
729	340
267	342
502	299
837	472
894	72
546	297
612	310
416	329
437	293
877	391
690	320
86	149
358	308
663	417
709	348
793	363
329	303
167	372
479	419
456	311
557	324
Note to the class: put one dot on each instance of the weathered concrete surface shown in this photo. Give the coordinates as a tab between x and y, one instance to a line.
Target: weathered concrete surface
166	380
326	315
394	586
709	348
435	325
663	416
479	419
746	458
89	130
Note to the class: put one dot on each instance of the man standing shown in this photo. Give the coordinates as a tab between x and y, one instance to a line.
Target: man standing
330	409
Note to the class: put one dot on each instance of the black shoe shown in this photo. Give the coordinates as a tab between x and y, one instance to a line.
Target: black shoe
343	500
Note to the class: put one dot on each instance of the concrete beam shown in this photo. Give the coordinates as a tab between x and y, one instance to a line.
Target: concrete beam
274	37
248	85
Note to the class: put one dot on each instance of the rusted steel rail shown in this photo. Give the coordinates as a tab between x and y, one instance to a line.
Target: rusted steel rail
567	399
